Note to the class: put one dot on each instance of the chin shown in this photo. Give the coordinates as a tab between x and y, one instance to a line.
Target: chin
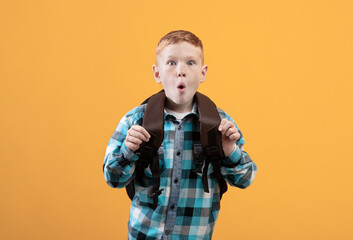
181	99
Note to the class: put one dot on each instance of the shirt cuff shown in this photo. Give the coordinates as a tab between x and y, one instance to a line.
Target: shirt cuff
233	158
128	154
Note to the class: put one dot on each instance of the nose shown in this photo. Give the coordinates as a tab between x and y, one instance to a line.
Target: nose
181	74
181	71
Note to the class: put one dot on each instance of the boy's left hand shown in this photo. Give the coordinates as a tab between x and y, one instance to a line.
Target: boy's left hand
230	135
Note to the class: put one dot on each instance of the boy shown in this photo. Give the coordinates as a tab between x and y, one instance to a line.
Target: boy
184	209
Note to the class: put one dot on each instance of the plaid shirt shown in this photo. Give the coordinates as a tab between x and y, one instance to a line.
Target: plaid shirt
184	210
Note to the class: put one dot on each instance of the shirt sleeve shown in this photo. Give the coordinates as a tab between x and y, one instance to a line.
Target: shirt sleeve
119	160
238	169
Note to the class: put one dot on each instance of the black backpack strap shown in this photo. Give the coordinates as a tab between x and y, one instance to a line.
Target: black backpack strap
211	141
153	122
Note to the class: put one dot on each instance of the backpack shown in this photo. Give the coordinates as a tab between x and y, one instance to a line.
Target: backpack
210	137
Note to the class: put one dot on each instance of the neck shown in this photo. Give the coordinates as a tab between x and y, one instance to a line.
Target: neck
184	108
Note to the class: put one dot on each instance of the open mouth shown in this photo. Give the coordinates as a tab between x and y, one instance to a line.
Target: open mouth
181	86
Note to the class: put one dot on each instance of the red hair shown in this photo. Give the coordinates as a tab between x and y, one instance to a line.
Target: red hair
176	37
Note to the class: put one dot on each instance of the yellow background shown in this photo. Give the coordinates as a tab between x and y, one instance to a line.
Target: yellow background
70	70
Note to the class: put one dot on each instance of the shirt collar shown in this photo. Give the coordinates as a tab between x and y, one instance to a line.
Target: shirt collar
194	111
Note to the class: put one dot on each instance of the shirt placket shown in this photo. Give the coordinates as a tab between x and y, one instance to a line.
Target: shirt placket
176	177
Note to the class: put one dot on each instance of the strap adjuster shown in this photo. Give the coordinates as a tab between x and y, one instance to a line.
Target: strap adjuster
147	149
212	151
156	193
200	162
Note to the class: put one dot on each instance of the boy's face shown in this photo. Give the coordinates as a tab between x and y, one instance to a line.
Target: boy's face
180	71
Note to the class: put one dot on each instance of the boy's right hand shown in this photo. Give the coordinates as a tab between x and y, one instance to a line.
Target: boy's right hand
135	135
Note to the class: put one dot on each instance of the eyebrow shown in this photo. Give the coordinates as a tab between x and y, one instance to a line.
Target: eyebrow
187	57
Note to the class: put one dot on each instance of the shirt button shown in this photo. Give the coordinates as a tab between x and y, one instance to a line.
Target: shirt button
172	207
176	180
178	153
167	232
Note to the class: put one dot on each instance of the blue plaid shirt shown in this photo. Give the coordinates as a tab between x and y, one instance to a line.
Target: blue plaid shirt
184	210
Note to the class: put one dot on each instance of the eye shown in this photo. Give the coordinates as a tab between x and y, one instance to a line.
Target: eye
191	63
172	63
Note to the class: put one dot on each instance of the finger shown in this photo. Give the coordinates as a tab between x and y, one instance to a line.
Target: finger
220	128
135	133
231	130
132	146
143	131
235	136
226	126
134	140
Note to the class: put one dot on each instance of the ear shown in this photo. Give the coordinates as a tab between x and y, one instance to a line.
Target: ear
203	73
156	73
